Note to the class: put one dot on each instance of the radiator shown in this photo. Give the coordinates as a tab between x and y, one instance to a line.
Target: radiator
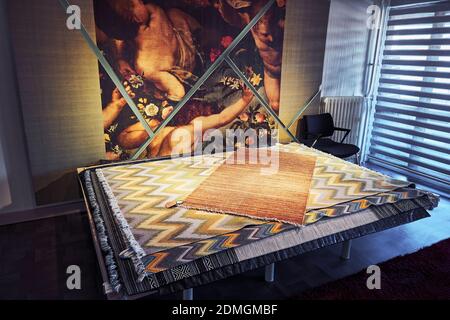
347	112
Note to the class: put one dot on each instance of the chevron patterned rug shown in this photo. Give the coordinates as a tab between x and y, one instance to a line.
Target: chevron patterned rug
169	244
337	181
142	190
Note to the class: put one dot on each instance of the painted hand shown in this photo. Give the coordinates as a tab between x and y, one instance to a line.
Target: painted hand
119	99
247	94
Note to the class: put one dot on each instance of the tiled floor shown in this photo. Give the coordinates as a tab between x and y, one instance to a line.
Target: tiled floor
34	257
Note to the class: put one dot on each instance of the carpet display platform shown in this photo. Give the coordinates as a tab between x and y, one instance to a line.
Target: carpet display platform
146	247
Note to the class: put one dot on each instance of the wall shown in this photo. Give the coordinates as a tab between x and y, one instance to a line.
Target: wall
303	56
15	182
60	95
346	48
326	43
63	127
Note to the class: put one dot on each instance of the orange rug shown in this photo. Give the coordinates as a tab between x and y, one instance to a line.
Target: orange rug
275	190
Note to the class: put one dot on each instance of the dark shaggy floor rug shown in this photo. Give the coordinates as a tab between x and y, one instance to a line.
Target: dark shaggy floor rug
423	275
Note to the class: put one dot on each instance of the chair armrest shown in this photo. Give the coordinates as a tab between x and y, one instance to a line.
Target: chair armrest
317	137
342	129
347	131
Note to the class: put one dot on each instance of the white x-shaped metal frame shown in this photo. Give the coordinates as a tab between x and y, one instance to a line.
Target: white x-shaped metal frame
224	57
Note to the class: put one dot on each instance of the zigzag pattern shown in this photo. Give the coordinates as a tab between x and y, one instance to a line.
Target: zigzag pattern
361	204
174	257
174	237
336	181
168	259
143	189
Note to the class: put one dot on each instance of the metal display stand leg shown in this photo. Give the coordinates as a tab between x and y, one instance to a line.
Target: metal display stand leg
188	294
270	273
346	250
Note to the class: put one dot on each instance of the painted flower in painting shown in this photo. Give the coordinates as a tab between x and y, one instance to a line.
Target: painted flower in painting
116	149
226	41
151	110
244	117
236	85
142	103
255	119
256	79
224	80
214	54
136	81
260	117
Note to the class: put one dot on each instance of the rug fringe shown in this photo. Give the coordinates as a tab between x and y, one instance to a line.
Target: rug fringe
102	236
434	199
213	210
136	252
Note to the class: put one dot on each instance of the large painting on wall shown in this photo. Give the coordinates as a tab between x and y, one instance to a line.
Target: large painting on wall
160	49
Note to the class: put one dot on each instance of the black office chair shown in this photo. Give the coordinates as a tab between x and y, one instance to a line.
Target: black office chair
313	131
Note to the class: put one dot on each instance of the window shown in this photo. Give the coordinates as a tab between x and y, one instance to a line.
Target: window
411	126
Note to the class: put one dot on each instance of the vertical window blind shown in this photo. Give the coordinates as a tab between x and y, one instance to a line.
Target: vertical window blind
411	127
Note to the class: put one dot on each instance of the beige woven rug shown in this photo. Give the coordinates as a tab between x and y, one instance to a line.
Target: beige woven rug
277	191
